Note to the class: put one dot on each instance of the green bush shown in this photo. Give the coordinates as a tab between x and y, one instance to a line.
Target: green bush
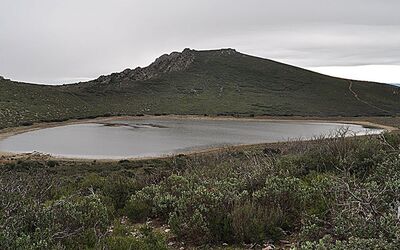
52	163
115	188
283	194
254	223
73	223
119	188
193	227
141	205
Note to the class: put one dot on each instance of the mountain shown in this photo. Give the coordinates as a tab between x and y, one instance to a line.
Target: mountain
199	82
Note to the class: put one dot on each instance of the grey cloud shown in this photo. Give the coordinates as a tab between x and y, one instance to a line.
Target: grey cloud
56	41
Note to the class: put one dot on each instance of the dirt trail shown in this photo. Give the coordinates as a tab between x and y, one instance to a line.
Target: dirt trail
360	100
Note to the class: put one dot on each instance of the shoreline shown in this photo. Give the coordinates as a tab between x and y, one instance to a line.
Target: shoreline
8	132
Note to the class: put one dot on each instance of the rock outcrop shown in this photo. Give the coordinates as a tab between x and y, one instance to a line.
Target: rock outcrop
176	61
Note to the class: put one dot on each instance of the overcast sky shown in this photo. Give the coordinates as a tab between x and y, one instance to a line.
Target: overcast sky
64	41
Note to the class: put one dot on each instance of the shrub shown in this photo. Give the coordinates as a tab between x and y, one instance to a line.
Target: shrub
71	222
52	163
252	223
26	123
116	188
284	196
193	228
140	206
119	188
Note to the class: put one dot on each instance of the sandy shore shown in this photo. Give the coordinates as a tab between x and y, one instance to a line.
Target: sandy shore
5	133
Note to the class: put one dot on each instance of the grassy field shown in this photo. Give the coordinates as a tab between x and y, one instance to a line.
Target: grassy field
222	82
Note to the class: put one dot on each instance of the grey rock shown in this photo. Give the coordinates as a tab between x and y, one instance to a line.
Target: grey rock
176	61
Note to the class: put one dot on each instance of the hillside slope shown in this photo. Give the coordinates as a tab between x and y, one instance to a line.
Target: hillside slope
200	82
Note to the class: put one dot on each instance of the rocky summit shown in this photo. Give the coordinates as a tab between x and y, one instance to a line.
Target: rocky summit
176	61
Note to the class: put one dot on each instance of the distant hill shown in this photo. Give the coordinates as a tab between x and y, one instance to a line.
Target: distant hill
200	82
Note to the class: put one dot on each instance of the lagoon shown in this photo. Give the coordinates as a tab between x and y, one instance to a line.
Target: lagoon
140	138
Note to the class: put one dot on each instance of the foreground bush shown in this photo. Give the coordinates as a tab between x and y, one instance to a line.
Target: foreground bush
73	223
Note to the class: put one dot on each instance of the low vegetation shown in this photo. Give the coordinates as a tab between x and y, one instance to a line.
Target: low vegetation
341	193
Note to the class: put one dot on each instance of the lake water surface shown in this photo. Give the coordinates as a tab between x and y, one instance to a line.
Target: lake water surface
159	137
